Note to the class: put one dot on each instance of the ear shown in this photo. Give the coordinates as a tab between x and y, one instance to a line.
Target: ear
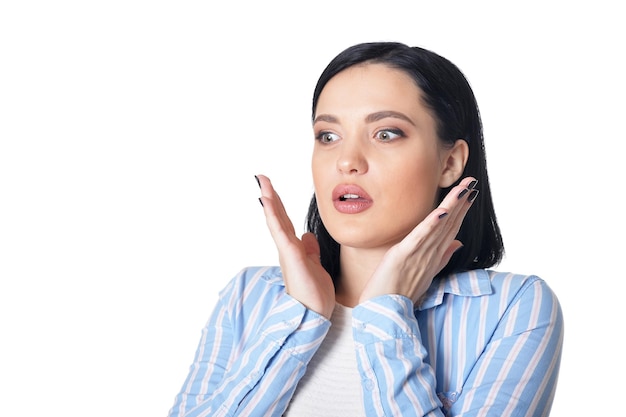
453	163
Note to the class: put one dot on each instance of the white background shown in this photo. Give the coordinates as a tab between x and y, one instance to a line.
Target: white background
131	131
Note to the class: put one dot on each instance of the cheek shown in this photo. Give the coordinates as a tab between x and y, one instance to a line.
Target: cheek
320	183
321	171
415	187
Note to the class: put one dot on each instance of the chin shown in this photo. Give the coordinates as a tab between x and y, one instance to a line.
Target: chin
368	231
364	239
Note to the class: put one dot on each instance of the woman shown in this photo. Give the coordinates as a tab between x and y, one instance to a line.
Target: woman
385	306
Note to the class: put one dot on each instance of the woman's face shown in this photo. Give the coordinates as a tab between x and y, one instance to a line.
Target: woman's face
377	162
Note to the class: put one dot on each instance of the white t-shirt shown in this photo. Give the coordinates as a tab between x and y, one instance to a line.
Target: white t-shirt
331	385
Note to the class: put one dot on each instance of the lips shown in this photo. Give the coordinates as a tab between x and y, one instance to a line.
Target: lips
351	199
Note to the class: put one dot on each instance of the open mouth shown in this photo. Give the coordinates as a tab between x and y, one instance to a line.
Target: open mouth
347	197
351	199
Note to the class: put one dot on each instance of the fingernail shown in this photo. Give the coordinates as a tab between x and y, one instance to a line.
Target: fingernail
261	201
257	181
472	196
444	214
462	193
472	184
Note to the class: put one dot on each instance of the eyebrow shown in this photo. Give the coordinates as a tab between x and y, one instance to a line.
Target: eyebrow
379	115
385	114
326	118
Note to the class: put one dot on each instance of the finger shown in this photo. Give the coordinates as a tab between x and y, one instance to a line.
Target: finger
268	192
280	226
447	211
455	221
459	201
269	195
447	255
442	225
458	195
455	205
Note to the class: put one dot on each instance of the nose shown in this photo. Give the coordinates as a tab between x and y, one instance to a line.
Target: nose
351	159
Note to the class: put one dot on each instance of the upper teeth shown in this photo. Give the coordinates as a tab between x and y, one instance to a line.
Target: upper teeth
346	196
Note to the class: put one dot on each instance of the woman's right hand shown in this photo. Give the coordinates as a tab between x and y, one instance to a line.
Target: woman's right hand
305	278
409	266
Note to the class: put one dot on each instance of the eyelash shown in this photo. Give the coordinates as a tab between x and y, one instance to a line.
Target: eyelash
320	136
397	132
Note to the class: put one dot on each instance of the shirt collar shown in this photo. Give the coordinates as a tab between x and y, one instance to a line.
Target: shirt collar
273	275
472	283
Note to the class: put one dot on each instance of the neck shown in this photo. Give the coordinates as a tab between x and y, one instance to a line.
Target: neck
357	266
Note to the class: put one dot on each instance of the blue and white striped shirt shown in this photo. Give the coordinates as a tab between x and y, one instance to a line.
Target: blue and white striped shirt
480	343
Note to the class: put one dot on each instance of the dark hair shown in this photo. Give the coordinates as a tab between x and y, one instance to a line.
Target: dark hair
446	91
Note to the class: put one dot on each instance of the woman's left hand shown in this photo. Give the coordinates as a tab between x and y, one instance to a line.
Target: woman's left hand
409	267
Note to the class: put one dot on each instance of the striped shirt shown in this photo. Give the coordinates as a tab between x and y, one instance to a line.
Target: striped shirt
480	343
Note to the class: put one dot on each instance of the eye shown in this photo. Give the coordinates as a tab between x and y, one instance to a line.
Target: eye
327	137
387	135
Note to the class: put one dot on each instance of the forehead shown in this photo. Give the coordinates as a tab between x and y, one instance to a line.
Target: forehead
371	87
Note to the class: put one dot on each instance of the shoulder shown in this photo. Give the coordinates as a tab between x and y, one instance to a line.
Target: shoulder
513	285
511	302
495	290
252	283
258	274
483	283
525	294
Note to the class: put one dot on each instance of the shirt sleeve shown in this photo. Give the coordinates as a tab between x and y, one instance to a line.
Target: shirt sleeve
396	379
257	376
516	374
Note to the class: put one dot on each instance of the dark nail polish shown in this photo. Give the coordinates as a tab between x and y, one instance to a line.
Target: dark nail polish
462	193
442	215
472	196
257	181
472	184
261	201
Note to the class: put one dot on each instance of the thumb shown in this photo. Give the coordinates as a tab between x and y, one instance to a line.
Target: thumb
311	246
454	246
